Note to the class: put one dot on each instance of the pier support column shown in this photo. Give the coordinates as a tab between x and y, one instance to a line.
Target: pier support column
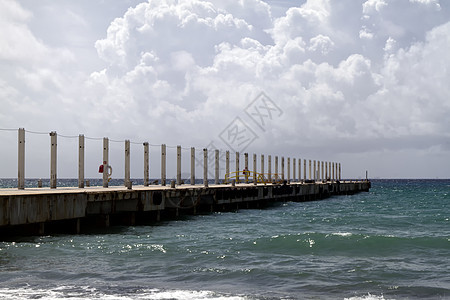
329	170
216	166
237	167
205	167
105	161
227	166
299	170
339	171
163	164
288	169
178	165
326	171
269	168
192	165
81	161
127	164
246	166
276	168
255	168
146	164
282	168
293	169
53	159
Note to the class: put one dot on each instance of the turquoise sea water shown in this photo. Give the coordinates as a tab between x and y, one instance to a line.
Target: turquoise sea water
390	243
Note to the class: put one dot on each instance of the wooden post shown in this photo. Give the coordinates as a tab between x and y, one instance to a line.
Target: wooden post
333	171
81	161
339	171
293	169
216	164
205	167
322	172
193	165
53	159
127	181
309	169
276	168
282	168
326	171
21	159
163	164
269	167
315	171
304	169
262	164
255	168
105	161
246	166
227	166
288	169
178	165
299	170
146	164
237	167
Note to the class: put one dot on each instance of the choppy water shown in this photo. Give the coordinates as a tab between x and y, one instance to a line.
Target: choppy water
390	243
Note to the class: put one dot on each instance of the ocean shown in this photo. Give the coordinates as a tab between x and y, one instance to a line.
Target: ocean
390	243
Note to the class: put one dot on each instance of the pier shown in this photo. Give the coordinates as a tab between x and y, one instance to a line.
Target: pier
39	210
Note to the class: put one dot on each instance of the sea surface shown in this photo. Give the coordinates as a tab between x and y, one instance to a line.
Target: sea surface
390	243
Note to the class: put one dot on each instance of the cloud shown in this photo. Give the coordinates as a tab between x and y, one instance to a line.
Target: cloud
347	76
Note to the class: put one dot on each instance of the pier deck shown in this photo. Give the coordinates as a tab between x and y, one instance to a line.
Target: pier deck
40	206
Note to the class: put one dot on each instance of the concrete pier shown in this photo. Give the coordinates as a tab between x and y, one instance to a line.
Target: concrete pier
44	206
38	209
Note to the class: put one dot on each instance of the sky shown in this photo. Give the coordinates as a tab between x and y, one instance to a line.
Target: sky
362	83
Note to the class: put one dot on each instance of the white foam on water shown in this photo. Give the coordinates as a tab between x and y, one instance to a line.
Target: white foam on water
368	297
79	293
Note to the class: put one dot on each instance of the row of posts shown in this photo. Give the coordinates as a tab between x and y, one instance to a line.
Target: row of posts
318	170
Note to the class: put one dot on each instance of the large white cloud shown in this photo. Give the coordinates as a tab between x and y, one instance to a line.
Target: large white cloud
349	76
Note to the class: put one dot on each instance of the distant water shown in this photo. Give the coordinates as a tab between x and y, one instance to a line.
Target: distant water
390	243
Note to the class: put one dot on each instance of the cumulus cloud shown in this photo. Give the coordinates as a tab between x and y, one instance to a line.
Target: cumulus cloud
352	76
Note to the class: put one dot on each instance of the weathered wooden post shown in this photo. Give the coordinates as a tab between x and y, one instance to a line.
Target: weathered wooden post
127	181
339	171
216	173
293	169
193	165
246	166
333	171
255	168
323	175
299	170
205	167
315	171
304	170
105	161
329	170
53	159
269	166
282	168
227	166
288	177
81	161
276	168
326	171
262	165
21	159
309	169
146	164
163	164
178	165
237	167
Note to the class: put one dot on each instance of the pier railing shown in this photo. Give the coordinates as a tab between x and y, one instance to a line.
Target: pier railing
317	170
